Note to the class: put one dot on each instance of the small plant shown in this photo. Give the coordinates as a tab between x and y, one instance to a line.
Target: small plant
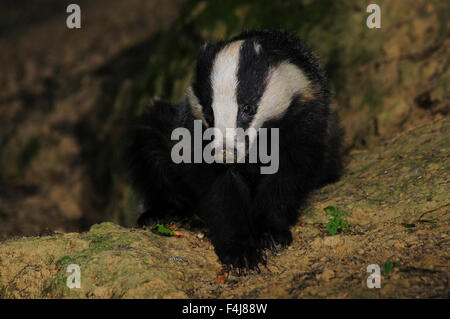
431	221
168	231
163	230
335	223
388	266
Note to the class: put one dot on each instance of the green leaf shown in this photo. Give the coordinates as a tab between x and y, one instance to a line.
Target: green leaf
344	225
330	210
164	230
332	228
408	225
335	223
387	267
432	221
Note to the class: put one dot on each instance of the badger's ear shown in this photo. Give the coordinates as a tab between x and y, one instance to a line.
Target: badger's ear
205	45
195	105
258	48
191	97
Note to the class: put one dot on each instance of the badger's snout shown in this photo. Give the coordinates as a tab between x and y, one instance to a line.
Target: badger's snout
225	154
229	150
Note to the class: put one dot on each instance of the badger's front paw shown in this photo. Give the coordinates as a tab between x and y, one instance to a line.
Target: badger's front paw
151	217
241	258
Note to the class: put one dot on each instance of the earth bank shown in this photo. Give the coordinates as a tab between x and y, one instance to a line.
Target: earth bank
394	198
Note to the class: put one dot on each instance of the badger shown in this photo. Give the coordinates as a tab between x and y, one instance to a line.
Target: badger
258	79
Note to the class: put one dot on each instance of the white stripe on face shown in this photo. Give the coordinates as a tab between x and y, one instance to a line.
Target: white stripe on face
195	105
283	83
224	82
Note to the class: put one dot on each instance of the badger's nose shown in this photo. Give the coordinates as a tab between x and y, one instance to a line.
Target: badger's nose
229	155
226	156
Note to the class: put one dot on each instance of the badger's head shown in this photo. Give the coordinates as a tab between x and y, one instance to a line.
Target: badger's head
248	81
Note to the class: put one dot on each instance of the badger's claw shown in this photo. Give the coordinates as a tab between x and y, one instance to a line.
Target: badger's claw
273	239
269	242
273	244
257	269
246	264
244	261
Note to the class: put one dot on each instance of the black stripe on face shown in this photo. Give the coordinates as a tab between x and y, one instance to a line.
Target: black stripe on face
202	82
252	74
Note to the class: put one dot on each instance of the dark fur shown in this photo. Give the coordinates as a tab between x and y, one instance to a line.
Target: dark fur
245	211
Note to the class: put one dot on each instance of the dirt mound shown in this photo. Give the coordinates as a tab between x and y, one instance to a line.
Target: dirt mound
394	198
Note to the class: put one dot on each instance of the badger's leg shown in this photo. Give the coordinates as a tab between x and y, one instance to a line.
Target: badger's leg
278	197
275	208
153	173
225	209
306	161
164	196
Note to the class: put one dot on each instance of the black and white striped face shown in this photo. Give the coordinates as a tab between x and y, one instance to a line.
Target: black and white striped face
243	84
